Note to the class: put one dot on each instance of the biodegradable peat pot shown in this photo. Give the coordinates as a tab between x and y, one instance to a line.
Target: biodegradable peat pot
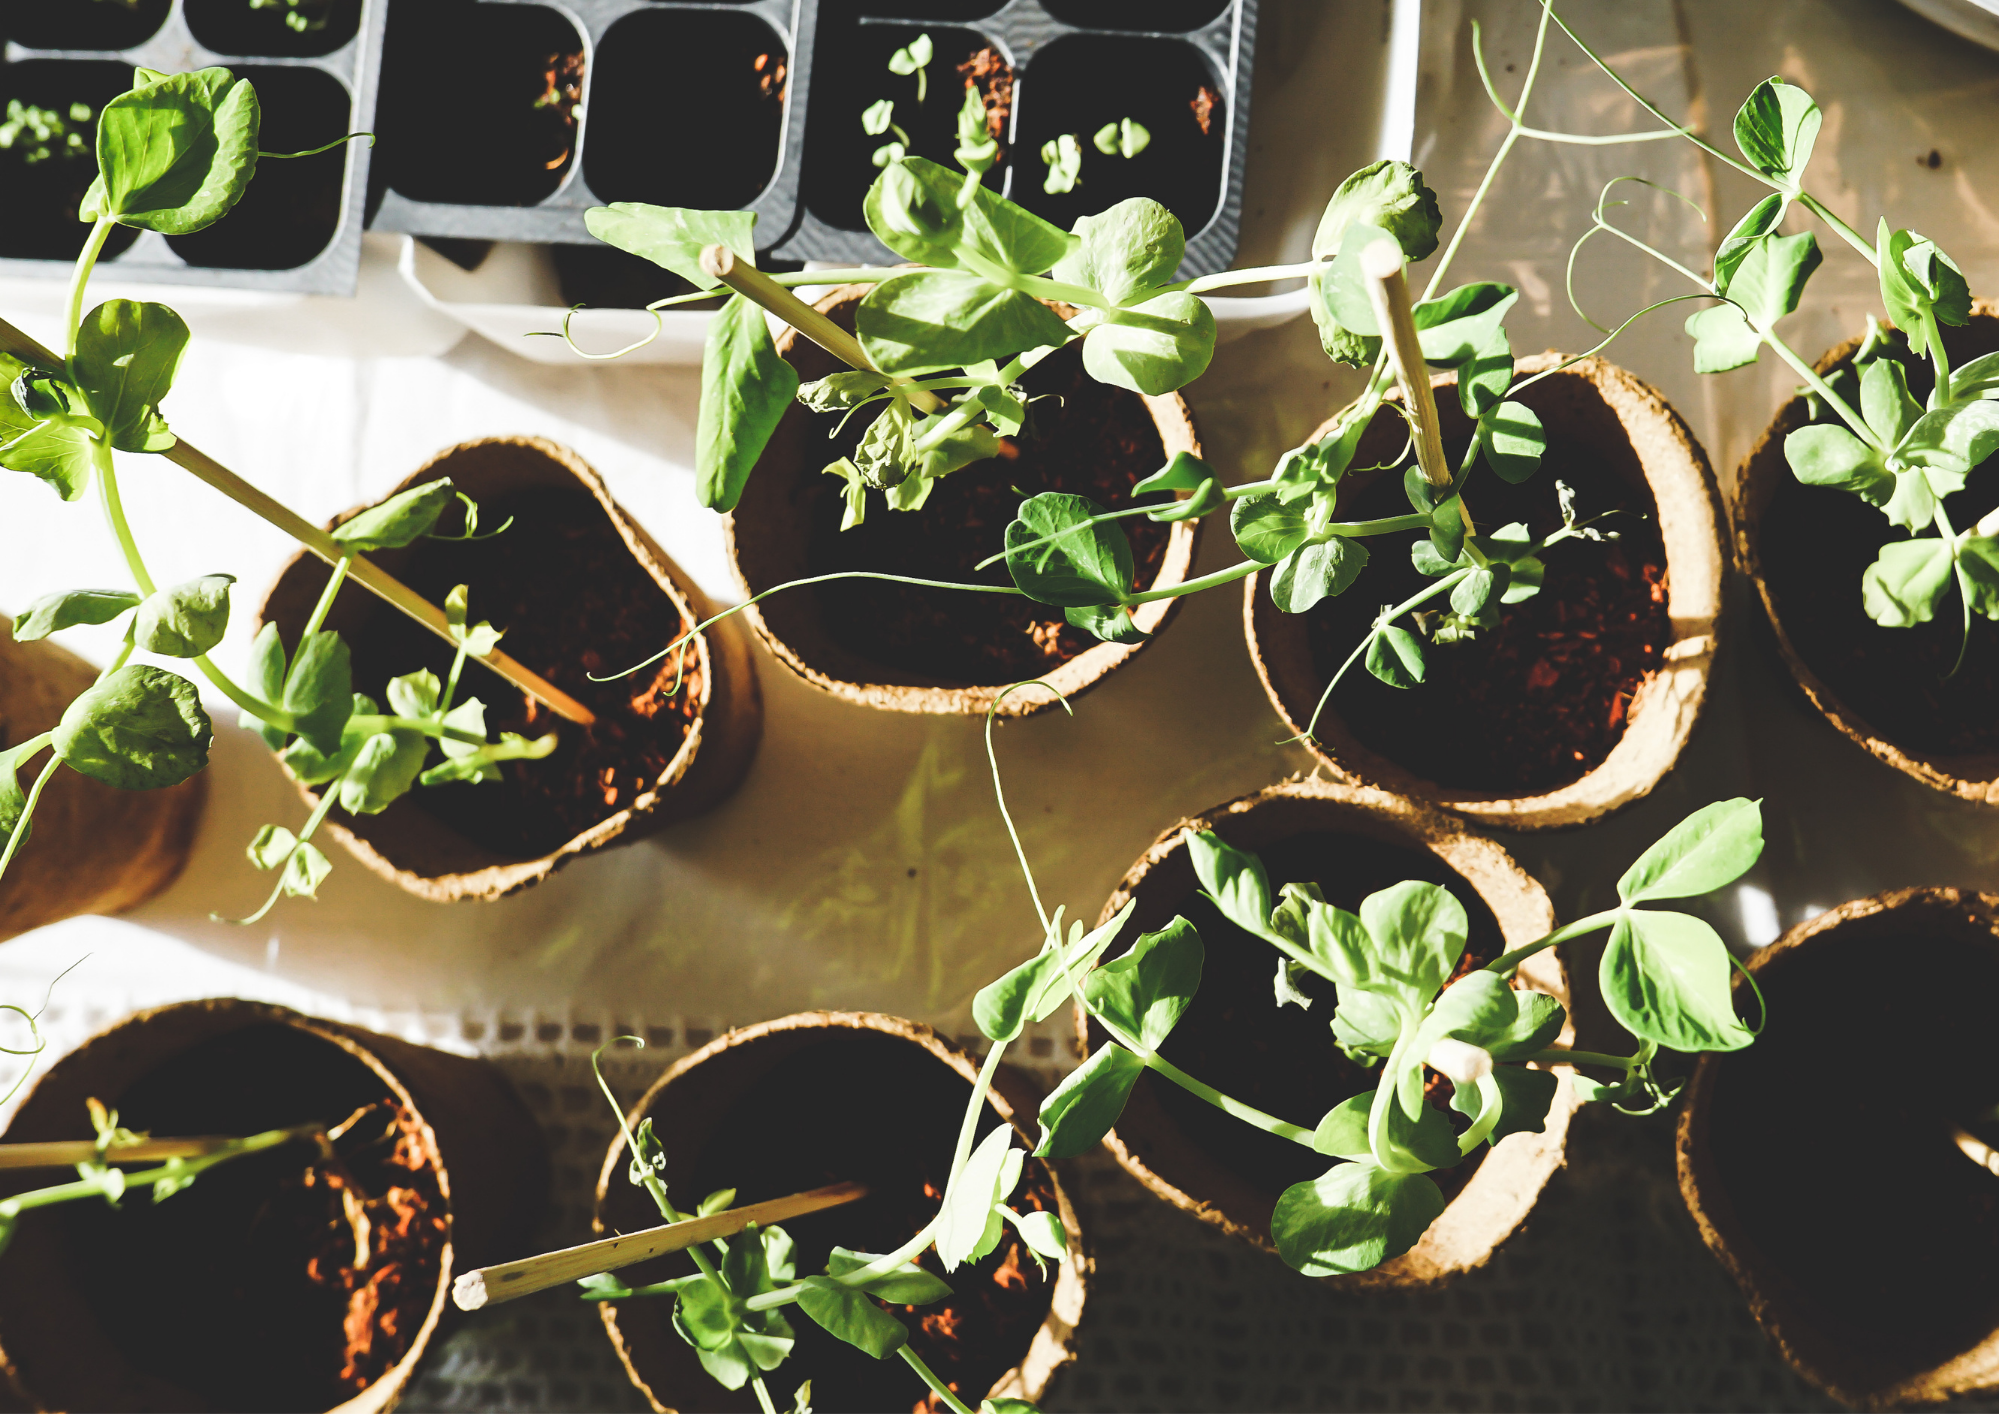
938	650
1805	548
816	1098
1352	841
579	588
1582	700
92	848
204	1301
1820	1162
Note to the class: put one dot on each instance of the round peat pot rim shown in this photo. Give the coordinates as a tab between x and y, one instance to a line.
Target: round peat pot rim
1010	1095
1498	1196
1973	776
1829	1360
713	754
1175	425
1666	708
221	1016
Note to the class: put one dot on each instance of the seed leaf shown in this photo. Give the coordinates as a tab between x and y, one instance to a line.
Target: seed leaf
1080	1111
1353	1218
126	356
1084	564
745	387
1145	992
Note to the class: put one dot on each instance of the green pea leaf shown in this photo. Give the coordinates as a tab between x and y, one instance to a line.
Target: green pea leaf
1315	572
1482	1010
1427	561
1353	1218
1952	439
1043	1232
1109	623
174	153
674	237
1979	574
852	1316
54	612
1723	339
315	767
1145	992
1665	977
1710	848
843	391
56	450
1084	564
929	320
1886	404
1341	344
968	1225
266	678
1343	1130
384	769
913	209
320	691
1267	527
1827	454
1037	987
1007	1406
1153	347
1344	289
1525	1097
745	387
1185	472
14	802
1418	931
416	694
1762	219
1233	880
1396	657
1462	323
1776	128
1125	251
305	870
1524	580
1079	1112
1976	378
140	728
1484	378
1366	1025
398	521
126	356
1908	582
1772	275
184	620
1512	440
907	1285
1471	595
1388	196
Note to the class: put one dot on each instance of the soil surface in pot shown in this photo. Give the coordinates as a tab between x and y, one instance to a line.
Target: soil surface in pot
572	600
1088	439
279	1280
862	1105
1814	545
1836	1149
1282	1059
1540	701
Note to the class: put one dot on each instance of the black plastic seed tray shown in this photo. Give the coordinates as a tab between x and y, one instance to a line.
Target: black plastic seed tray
508	119
297	228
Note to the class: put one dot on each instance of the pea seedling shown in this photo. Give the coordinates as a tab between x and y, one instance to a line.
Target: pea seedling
1868	435
36	135
174	154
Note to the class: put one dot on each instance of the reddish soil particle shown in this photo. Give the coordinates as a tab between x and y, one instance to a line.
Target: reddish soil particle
573	601
1204	104
994	78
1089	439
770	76
562	94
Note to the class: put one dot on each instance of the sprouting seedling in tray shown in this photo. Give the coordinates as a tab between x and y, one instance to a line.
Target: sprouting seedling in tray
174	154
36	135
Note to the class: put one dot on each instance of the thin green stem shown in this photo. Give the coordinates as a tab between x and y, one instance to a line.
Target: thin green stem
173	1171
1355	529
1855	422
938	1386
1660	256
86	260
1250	1115
325	604
1000	797
1472	207
1195	586
1840	227
1507	962
245	700
1559	1056
1022	549
1252	275
114	512
1382	621
20	829
1490	1104
329	794
1600	140
763	1395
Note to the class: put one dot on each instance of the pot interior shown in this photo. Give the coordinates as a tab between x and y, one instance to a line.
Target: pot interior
798	1109
1540	701
208	1299
1831	1141
1280	1059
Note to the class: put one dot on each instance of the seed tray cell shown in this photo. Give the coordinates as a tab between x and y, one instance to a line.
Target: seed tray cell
297	228
508	119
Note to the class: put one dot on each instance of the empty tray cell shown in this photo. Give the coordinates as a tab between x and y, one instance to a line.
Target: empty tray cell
942	12
1163	16
851	72
687	108
478	102
289	212
279	29
1081	83
82	24
49	157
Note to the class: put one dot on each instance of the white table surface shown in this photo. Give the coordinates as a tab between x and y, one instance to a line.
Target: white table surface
862	863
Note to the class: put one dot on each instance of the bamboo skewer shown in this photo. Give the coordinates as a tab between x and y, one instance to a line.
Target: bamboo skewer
754	285
67	1153
1389	294
488	1285
359	568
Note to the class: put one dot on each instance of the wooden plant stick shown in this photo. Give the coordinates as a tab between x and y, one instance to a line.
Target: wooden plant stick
754	285
360	568
67	1153
1389	293
487	1285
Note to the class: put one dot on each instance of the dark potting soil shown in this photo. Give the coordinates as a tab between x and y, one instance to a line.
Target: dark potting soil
1815	544
1282	1060
44	196
291	208
851	72
731	70
870	1107
572	601
477	102
233	27
1894	1237
1078	83
1157	15
297	1281
1540	701
102	27
1088	439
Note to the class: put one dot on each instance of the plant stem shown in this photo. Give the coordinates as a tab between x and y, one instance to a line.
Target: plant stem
255	706
1355	529
172	1171
1855	422
1270	1124
86	260
1382	621
1840	227
938	1386
763	1395
325	604
1558	1056
1490	1104
1013	550
114	512
1506	963
20	830
1254	275
1195	586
